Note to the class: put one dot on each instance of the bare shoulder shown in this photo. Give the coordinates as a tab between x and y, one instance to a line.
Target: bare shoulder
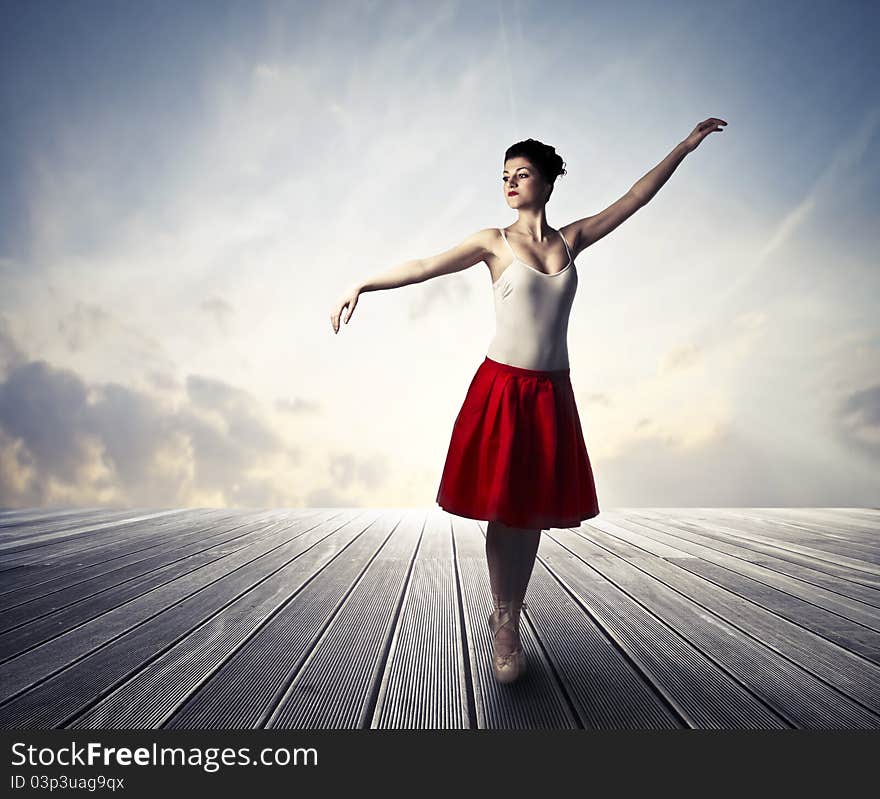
570	234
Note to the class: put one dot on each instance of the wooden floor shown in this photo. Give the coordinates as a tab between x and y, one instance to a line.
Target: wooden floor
641	618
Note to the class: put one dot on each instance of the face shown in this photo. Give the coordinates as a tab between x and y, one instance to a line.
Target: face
521	177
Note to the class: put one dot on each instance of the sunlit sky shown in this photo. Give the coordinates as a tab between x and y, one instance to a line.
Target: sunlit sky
187	188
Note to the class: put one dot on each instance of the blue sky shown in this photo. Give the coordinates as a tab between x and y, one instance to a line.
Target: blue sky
186	189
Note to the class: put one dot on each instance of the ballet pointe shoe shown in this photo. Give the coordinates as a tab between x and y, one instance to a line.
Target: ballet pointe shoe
509	667
494	615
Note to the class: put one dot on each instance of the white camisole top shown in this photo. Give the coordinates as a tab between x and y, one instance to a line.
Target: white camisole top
531	314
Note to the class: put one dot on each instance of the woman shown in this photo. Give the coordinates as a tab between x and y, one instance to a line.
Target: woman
517	457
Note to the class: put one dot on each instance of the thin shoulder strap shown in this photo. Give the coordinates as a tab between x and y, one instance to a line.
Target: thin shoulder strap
566	245
507	242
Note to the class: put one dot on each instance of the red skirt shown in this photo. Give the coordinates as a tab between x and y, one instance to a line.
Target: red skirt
517	453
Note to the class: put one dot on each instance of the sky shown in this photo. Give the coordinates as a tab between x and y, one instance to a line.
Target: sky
188	188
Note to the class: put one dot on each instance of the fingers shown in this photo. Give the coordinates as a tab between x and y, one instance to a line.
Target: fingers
712	123
335	317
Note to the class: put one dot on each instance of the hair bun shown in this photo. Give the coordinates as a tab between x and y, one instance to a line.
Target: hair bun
544	156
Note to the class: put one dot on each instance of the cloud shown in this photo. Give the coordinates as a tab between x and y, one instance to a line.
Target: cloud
297	405
330	497
347	468
858	420
46	409
443	291
63	439
731	468
680	358
85	323
91	329
11	354
598	398
220	310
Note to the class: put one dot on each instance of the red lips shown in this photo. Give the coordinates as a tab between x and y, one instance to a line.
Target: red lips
512	193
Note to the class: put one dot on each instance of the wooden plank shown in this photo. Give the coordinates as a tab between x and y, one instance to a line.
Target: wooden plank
425	682
228	671
337	686
14	521
823	608
703	694
861	515
748	541
57	532
832	518
804	677
836	526
762	539
42	573
781	533
38	621
48	684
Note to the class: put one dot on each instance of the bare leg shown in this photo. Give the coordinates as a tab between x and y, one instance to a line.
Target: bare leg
510	554
500	555
527	551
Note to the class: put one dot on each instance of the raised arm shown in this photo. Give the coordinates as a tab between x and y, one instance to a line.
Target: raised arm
474	249
589	230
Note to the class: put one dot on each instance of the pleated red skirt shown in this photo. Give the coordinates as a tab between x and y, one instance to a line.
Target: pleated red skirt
517	453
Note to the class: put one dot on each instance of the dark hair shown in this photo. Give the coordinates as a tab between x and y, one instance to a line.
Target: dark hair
545	158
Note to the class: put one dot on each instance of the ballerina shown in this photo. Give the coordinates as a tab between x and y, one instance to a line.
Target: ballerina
517	457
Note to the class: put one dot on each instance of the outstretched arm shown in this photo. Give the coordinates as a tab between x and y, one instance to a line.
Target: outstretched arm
589	230
472	250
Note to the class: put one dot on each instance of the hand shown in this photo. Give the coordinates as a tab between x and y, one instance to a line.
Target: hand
702	130
349	299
